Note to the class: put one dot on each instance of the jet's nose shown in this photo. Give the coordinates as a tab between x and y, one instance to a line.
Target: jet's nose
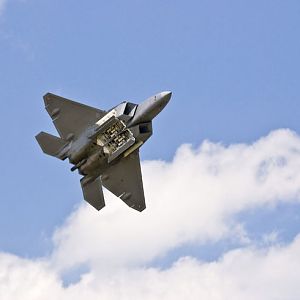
165	96
150	108
161	100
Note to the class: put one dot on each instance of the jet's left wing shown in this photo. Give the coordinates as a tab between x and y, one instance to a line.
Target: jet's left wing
124	179
69	117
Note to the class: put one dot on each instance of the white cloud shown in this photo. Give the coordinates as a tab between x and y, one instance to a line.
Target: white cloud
241	274
192	199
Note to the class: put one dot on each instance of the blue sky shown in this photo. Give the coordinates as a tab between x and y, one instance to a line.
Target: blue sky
233	68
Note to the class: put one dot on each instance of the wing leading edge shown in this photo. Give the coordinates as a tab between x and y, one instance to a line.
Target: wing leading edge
69	117
124	179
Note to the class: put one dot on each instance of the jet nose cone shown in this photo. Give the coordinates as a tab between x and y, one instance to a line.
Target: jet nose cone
166	96
161	100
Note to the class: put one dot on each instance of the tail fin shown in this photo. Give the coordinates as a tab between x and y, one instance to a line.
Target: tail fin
51	144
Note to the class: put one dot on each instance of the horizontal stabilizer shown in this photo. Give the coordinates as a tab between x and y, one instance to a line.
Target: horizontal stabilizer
93	193
50	144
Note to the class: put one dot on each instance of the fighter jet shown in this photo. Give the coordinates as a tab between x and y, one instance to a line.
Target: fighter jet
103	145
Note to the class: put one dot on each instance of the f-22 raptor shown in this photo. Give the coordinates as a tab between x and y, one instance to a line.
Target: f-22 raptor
103	145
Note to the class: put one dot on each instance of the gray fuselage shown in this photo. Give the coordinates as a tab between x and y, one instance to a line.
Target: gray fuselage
121	131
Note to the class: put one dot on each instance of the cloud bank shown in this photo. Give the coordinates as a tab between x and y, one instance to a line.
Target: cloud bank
240	274
190	200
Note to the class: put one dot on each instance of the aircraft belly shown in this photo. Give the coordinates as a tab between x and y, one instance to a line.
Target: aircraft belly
94	164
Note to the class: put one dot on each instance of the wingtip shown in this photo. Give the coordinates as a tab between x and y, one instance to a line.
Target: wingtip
46	98
48	95
139	208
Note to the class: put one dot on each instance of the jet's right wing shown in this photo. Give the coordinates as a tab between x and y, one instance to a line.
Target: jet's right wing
70	117
124	179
